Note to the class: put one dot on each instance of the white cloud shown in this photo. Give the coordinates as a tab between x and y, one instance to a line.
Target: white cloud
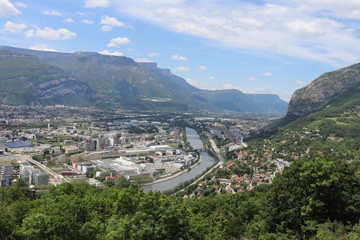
52	13
183	69
310	29
195	83
202	68
251	79
106	52
153	54
229	86
109	23
50	33
106	28
115	42
7	8
106	20
349	9
299	82
179	58
42	47
83	14
20	4
211	77
13	27
87	21
140	60
97	3
306	28
268	74
68	20
161	2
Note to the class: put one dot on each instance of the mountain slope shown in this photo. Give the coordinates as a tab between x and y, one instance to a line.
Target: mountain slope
217	100
319	93
332	127
26	80
121	82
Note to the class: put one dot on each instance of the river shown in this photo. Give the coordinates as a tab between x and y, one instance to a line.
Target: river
206	161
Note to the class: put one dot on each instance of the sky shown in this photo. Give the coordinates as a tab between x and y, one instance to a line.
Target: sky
258	46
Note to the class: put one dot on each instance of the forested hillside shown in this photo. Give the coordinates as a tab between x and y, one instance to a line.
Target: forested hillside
317	197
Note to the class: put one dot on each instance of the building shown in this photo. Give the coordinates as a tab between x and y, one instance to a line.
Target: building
90	144
40	178
17	144
33	176
160	147
6	175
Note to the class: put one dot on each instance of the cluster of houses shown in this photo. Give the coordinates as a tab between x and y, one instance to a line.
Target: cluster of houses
243	173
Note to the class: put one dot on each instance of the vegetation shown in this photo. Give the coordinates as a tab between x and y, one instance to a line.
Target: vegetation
335	130
319	197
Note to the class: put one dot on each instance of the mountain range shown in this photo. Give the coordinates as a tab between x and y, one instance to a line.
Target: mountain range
33	77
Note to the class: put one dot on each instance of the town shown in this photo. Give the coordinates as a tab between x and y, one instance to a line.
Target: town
50	145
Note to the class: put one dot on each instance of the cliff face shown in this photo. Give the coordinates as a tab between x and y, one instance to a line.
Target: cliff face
61	87
326	88
26	80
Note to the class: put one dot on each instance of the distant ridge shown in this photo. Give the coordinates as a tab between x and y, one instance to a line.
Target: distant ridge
93	79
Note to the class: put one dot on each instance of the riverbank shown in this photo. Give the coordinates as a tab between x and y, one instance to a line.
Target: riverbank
219	163
162	179
172	181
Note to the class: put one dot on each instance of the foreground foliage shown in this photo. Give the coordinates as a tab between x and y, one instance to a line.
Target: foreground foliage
314	198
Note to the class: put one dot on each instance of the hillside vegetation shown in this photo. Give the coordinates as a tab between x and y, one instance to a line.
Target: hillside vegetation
316	197
335	131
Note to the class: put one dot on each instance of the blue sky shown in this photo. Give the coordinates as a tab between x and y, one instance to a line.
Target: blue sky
270	46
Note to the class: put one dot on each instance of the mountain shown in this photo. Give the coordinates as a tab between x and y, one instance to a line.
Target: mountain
323	90
217	100
323	118
24	79
114	81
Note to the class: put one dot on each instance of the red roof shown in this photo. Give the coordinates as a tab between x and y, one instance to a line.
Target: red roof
263	183
116	177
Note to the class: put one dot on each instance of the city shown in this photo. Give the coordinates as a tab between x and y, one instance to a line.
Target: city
56	144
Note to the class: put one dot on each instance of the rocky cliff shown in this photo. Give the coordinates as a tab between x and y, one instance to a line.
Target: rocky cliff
26	80
326	88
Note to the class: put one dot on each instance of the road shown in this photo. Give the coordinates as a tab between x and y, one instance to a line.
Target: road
48	170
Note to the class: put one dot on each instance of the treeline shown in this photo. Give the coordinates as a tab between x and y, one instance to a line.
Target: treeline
314	198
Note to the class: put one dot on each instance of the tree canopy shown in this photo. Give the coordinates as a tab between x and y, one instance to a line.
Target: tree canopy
317	197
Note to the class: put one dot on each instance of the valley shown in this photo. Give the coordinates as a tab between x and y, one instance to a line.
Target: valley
130	151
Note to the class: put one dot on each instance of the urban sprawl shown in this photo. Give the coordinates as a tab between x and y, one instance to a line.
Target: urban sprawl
56	144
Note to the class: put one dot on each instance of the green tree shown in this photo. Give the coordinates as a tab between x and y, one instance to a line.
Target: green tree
313	191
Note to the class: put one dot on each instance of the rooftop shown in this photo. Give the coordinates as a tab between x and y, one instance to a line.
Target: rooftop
17	144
